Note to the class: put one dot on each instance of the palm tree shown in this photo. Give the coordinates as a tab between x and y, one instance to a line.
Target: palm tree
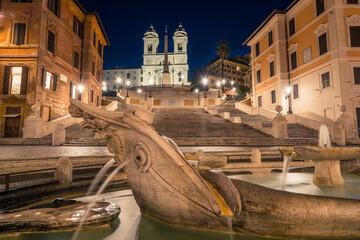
223	50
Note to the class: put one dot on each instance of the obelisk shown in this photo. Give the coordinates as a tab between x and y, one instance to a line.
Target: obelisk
166	74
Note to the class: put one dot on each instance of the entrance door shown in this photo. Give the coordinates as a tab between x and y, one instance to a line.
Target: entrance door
12	122
358	120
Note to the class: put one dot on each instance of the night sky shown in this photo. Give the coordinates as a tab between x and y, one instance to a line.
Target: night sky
206	22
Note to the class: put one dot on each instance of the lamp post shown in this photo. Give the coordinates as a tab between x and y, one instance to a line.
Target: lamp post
81	89
223	85
205	82
218	85
234	89
104	86
127	88
118	82
197	93
288	91
150	82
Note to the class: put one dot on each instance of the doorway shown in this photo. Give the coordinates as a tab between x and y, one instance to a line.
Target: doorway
12	122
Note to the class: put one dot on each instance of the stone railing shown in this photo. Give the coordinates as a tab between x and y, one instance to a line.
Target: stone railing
308	121
255	111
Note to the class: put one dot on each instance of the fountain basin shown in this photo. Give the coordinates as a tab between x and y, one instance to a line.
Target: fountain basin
58	215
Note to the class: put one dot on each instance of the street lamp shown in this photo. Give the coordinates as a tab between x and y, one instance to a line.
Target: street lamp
139	91
104	86
118	81
234	89
288	91
197	93
218	85
223	85
150	82
205	82
127	88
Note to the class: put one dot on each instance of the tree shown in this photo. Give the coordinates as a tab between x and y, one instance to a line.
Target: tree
223	50
242	90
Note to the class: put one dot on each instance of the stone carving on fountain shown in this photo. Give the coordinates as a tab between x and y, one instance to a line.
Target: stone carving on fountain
166	187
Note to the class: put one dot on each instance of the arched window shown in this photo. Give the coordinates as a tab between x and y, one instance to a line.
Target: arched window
180	47
150	48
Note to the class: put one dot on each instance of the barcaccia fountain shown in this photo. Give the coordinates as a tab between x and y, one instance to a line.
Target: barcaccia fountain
166	187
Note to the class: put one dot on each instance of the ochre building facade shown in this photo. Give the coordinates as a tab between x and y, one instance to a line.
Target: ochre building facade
51	51
309	54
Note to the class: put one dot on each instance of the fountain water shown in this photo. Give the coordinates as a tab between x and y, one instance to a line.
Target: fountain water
99	176
324	137
230	227
286	168
101	189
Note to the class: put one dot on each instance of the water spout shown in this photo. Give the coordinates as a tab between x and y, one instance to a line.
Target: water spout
101	189
286	168
99	176
230	227
324	137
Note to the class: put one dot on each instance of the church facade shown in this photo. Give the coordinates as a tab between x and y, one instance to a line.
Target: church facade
152	70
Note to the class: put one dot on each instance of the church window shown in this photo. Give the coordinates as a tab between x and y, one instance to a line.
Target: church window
180	48
150	48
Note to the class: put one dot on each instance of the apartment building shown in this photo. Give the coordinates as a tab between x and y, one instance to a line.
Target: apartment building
307	59
51	51
234	71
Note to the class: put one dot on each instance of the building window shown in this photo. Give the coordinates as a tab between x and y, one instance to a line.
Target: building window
296	91
97	100
92	96
15	80
49	80
272	69
98	75
128	75
320	7
258	76
73	89
270	38
76	60
273	96
323	44
93	68
260	101
19	33
293	57
180	47
352	1
94	39
78	27
357	75
51	42
150	48
257	49
100	48
54	6
141	79
292	27
325	80
355	36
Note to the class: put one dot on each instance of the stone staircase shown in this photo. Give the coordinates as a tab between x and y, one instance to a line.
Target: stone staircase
294	130
76	135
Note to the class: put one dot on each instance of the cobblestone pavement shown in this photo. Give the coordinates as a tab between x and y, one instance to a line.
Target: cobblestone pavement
16	152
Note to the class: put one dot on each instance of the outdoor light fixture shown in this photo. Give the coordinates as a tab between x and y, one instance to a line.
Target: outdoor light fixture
197	90
150	82
218	85
205	82
223	85
118	80
81	88
104	88
232	83
223	81
127	88
288	91
139	90
104	84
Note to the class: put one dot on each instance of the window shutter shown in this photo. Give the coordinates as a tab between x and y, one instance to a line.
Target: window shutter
24	77
71	89
16	34
21	33
43	77
6	80
75	22
54	82
58	6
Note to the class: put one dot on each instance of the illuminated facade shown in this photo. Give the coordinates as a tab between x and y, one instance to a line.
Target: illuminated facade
313	49
50	51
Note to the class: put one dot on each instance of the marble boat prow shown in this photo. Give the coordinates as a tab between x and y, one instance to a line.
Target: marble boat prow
167	188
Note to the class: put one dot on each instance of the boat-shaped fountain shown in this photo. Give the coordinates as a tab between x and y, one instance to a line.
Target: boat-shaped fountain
166	187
